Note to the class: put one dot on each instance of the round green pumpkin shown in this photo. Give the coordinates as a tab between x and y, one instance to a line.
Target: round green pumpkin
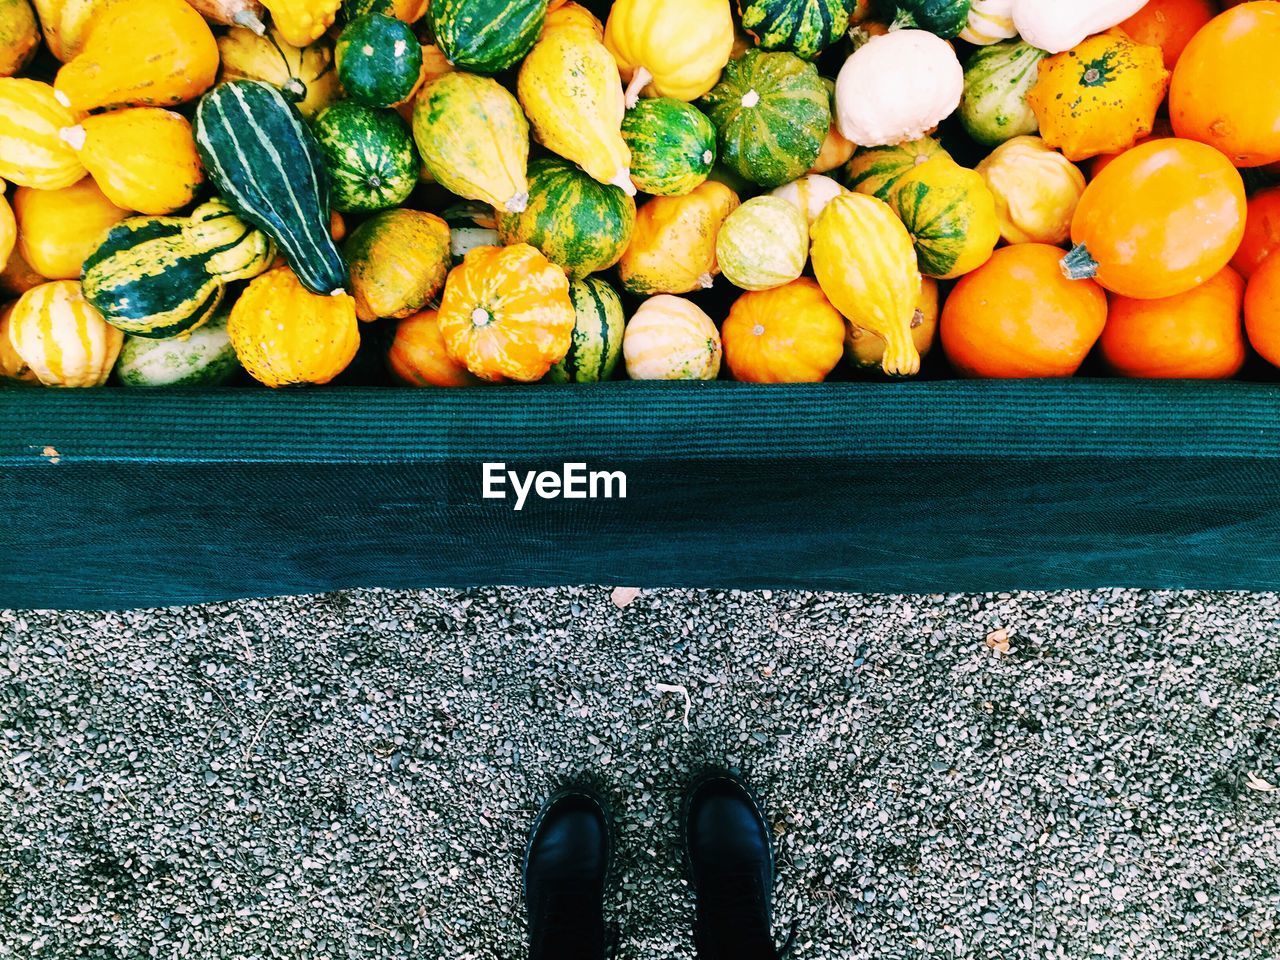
763	244
596	346
772	113
996	83
673	146
379	60
577	222
372	162
486	36
204	358
805	27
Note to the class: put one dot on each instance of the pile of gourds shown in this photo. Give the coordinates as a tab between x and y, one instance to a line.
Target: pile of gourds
525	190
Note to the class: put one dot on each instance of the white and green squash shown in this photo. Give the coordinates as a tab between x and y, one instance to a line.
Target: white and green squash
804	27
203	358
763	244
598	328
997	80
673	146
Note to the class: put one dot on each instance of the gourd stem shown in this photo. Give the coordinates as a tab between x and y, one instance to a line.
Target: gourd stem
623	182
1079	264
706	281
518	203
251	21
905	20
73	137
639	80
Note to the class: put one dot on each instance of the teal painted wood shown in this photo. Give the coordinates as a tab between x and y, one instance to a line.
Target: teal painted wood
119	498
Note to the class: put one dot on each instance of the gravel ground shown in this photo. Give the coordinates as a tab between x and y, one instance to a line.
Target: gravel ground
1013	776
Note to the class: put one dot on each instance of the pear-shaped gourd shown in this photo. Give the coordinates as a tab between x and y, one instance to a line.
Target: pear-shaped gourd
672	48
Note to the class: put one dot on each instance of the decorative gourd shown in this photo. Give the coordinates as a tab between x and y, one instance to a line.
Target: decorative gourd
302	22
1160	219
410	11
474	139
160	277
203	358
61	338
418	356
669	48
32	154
305	75
763	244
284	334
574	16
141	53
810	195
19	36
997	80
576	222
399	260
836	150
1261	232
951	216
243	14
379	60
8	228
1099	97
790	334
1169	25
13	369
58	229
1197	335
673	146
865	349
471	225
1224	90
805	27
507	314
989	21
267	166
1056	26
865	262
144	158
771	112
897	87
486	36
1018	316
1262	310
943	18
670	338
875	171
673	247
372	161
66	24
596	346
1036	190
569	90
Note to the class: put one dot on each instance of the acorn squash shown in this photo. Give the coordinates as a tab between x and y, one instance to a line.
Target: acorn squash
673	146
486	36
379	60
369	154
804	27
942	18
951	216
673	247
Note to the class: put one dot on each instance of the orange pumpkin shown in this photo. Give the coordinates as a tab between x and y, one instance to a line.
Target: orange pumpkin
1224	90
506	313
419	358
1262	310
789	334
1261	232
1160	131
1161	219
1169	25
1194	335
1018	316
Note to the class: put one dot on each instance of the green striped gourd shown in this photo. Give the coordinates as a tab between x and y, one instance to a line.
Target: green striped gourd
597	334
379	60
486	36
805	27
267	166
673	146
875	171
772	113
205	358
372	162
576	222
159	277
763	244
997	80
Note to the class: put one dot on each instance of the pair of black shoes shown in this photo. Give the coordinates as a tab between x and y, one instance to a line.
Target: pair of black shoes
728	854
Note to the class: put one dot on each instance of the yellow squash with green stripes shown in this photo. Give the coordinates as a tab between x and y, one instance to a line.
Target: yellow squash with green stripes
950	213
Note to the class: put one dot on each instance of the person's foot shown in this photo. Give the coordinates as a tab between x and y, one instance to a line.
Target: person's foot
565	869
731	863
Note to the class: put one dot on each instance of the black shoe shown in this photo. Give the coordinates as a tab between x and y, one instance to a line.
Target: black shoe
730	860
565	869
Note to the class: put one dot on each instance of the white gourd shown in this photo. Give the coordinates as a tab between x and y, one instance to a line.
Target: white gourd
990	21
897	87
810	194
1058	25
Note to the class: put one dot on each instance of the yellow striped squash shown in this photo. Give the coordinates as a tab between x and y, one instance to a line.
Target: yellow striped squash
31	152
670	48
673	245
990	21
670	338
8	228
865	262
12	366
59	335
58	229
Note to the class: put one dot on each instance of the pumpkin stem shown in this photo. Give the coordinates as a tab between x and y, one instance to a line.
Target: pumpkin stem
639	80
294	90
706	281
905	20
73	137
518	203
623	182
251	21
1079	264
901	359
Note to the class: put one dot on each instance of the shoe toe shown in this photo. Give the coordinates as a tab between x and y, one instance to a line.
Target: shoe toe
572	839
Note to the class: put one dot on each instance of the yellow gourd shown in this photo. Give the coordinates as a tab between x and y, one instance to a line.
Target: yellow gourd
303	21
670	338
865	350
8	228
12	366
305	75
141	53
31	152
573	16
19	36
143	159
865	263
75	19
58	229
673	245
569	89
1036	190
670	48
62	338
